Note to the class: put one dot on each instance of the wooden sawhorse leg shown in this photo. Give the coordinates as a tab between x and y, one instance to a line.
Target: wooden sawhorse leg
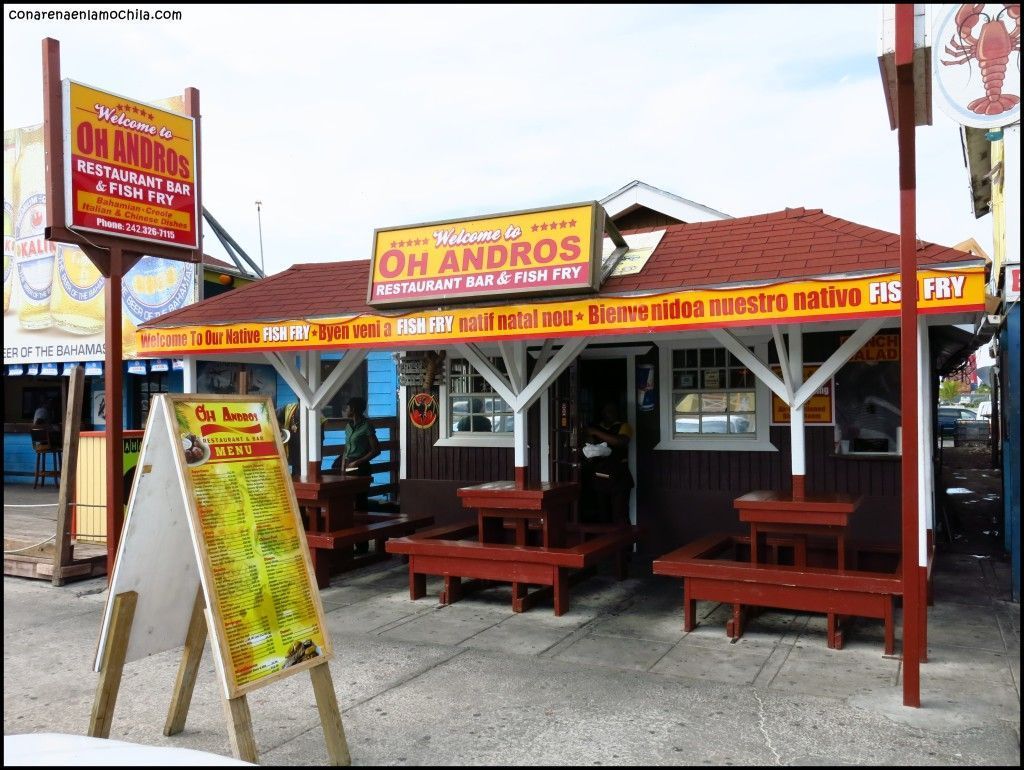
123	614
330	715
243	741
195	640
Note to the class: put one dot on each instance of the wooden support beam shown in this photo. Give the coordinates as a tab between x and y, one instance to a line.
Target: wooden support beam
62	553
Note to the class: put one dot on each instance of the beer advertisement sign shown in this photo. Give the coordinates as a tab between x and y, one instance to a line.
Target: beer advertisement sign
129	168
542	251
54	296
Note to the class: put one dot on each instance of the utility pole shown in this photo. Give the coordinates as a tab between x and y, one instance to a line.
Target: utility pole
259	222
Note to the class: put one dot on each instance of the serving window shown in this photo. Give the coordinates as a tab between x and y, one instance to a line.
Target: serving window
868	418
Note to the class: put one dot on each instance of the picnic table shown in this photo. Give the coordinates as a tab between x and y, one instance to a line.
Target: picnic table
770	511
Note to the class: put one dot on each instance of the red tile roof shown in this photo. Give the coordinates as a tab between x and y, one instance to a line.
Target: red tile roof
794	243
789	244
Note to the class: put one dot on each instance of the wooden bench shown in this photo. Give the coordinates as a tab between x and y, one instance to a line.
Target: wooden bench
331	552
445	552
710	577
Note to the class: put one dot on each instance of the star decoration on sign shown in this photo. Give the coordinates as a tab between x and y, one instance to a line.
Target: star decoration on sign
544	226
394	244
579	316
563	224
572	223
554	225
535	228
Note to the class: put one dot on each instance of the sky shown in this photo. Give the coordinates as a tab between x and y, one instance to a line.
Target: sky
342	119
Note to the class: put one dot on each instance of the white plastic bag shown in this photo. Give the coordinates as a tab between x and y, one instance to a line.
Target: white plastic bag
590	451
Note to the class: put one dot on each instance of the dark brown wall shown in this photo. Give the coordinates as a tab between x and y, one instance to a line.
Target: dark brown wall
433	474
681	495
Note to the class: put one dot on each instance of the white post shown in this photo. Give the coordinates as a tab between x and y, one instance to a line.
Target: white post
631	413
798	452
313	414
519	426
925	442
403	427
303	418
190	374
545	437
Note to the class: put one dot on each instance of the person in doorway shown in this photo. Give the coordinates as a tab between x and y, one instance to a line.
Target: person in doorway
361	446
607	479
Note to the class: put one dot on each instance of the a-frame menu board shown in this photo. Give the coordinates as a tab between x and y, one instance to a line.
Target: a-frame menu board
213	527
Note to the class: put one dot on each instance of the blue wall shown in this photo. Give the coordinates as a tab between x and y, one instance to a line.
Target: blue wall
1009	356
19	456
381	401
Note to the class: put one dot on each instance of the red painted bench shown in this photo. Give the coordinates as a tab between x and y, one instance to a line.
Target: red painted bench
331	552
710	574
445	552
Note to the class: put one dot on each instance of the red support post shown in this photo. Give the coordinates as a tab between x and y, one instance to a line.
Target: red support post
906	127
113	382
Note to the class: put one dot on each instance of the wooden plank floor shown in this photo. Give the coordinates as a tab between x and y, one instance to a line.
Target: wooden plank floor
30	518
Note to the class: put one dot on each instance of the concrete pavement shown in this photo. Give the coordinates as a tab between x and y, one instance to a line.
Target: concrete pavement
614	681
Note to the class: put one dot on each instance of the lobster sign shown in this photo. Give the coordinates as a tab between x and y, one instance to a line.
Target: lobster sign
977	63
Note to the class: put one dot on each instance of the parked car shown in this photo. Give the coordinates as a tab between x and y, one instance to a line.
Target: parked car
948	415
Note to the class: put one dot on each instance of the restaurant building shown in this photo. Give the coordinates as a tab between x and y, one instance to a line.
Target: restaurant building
758	352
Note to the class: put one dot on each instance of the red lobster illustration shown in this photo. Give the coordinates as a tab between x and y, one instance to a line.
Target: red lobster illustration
991	49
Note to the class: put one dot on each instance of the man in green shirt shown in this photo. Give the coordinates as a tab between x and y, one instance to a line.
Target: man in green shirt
361	446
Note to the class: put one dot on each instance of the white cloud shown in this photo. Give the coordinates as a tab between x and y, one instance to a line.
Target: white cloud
346	118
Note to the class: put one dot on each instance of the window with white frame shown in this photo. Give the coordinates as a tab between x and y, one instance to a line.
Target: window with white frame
473	407
711	400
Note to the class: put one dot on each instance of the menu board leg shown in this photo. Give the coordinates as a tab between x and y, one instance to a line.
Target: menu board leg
195	640
122	615
243	742
330	716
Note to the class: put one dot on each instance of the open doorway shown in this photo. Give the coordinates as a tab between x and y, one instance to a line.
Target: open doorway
602	380
577	398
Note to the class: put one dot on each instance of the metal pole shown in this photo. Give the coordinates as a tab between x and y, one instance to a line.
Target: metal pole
908	353
259	222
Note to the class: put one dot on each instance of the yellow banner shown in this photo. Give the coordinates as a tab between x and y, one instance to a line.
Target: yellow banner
536	252
266	599
819	408
129	168
940	291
